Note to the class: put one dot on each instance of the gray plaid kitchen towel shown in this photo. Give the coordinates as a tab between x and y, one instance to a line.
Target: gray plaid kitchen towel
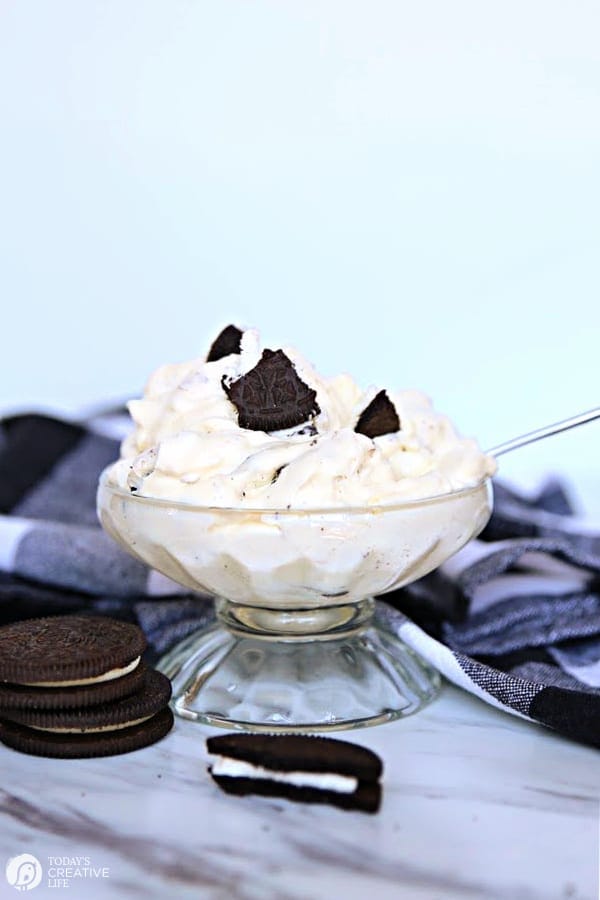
514	618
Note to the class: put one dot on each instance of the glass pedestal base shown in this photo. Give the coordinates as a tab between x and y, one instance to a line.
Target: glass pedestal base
326	669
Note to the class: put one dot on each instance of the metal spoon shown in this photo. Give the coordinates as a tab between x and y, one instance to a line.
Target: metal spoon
547	431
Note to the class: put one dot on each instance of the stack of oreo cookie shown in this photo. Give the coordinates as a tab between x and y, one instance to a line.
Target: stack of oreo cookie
75	686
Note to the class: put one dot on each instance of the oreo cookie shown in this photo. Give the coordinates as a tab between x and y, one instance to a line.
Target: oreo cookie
68	651
16	696
102	730
378	418
272	396
151	698
80	746
299	768
74	686
227	342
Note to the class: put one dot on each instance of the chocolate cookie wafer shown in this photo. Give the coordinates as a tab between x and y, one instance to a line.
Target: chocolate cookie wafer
102	730
228	341
272	396
378	418
153	696
298	767
89	744
68	651
18	696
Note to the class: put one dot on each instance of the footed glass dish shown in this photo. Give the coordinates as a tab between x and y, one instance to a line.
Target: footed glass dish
296	646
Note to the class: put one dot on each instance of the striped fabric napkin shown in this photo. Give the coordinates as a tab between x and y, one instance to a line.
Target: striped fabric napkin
513	618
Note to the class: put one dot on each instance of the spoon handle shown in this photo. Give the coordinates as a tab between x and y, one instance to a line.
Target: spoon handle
549	430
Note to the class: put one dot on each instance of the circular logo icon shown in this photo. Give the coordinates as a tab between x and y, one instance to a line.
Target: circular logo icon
24	872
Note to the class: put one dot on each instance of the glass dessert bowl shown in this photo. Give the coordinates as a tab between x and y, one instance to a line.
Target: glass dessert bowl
296	646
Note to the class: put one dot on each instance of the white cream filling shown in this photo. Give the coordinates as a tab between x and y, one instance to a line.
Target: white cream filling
88	729
325	781
95	679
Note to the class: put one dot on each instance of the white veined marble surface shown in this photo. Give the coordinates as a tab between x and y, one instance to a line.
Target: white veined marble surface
476	804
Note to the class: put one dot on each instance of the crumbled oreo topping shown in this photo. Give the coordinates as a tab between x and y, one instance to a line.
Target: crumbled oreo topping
379	417
272	396
228	341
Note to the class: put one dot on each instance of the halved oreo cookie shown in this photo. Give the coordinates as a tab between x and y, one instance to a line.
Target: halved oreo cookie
379	417
68	651
298	767
272	396
152	697
228	341
80	746
17	696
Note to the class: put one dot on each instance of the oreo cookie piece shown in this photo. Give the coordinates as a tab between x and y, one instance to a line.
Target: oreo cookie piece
228	341
80	746
297	767
16	696
272	396
68	651
379	417
151	698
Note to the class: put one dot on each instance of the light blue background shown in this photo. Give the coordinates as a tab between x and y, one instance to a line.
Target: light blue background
407	191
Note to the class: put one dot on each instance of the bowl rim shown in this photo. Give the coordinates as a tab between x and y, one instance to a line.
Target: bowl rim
105	484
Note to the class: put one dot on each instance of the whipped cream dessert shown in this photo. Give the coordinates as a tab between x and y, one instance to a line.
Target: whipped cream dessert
187	444
391	487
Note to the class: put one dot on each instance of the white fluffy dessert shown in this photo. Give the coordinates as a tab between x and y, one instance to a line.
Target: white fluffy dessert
187	445
187	448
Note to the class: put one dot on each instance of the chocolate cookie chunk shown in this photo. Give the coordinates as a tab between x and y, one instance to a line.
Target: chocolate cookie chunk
298	767
228	341
65	651
272	396
379	417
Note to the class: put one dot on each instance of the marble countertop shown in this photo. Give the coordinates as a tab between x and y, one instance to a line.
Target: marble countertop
476	804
